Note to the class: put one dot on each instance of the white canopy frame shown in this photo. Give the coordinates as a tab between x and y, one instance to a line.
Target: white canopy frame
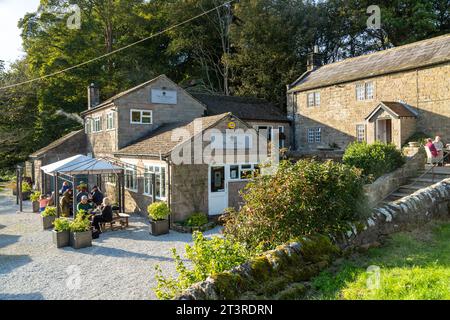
83	165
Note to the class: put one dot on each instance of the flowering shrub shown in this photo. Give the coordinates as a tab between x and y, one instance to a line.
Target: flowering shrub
49	212
158	211
207	256
61	224
299	199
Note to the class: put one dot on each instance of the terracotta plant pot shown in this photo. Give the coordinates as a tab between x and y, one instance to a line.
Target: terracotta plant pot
80	240
47	222
159	227
61	239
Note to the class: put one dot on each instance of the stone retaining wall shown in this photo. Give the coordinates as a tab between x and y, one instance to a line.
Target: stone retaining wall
300	261
386	184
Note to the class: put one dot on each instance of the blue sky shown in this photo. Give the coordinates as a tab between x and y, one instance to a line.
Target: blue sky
10	13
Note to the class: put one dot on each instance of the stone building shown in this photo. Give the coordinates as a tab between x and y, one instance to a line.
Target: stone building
384	96
194	151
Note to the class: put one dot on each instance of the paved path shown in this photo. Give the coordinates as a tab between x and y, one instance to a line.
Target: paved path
119	265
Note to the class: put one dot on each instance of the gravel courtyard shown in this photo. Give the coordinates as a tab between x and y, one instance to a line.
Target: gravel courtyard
119	265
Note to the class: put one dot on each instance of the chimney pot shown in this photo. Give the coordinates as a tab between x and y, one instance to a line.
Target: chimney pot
93	96
314	59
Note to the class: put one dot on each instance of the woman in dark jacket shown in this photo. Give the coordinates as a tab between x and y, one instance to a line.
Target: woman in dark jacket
106	214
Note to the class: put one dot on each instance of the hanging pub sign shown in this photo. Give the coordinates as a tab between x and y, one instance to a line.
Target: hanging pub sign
164	96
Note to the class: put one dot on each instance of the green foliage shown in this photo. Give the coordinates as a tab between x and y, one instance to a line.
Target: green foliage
158	211
196	220
207	256
413	266
49	212
61	224
26	187
373	159
80	224
35	196
299	199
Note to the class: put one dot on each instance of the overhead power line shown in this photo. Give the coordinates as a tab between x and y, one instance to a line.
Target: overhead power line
117	50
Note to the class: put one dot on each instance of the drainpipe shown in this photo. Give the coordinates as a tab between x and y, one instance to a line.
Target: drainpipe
169	187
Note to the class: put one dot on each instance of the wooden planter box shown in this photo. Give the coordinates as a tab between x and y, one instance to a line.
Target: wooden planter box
35	205
61	239
47	222
80	240
160	227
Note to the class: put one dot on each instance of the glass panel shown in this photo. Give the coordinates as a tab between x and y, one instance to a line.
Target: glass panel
163	182
369	90
217	179
317	99
310	99
234	172
136	116
246	171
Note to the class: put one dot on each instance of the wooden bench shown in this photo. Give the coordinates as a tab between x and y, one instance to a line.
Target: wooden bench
121	218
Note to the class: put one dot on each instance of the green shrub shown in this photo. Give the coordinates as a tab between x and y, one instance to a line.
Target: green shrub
196	220
299	199
373	159
208	257
26	187
80	224
158	211
61	224
35	196
49	212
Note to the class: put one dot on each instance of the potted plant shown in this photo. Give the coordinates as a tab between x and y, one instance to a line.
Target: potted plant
80	232
48	217
35	196
158	213
26	190
61	232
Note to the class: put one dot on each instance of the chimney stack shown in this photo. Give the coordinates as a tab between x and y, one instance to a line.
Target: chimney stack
314	59
93	96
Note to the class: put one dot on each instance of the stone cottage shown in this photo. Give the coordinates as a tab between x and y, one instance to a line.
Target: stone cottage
384	96
194	151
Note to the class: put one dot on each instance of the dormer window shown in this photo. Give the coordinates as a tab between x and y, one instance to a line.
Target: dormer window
314	99
364	91
141	116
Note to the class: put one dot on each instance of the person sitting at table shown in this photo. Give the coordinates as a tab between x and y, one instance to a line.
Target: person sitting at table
106	214
66	203
97	196
83	192
64	188
85	205
43	202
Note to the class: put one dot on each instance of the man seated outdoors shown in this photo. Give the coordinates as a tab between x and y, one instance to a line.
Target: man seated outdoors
97	196
85	205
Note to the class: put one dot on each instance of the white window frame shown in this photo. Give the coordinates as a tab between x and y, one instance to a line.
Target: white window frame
359	131
313	99
314	135
141	116
160	174
365	91
247	167
87	126
110	125
281	142
131	171
96	124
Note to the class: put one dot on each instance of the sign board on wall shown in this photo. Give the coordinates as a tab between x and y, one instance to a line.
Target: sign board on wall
164	96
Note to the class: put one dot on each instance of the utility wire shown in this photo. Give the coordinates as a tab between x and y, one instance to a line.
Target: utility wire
118	50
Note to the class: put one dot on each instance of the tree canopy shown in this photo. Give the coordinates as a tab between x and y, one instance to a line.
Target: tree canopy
250	47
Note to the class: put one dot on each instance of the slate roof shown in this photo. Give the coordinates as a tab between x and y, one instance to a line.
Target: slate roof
245	108
159	141
411	56
397	109
56	143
